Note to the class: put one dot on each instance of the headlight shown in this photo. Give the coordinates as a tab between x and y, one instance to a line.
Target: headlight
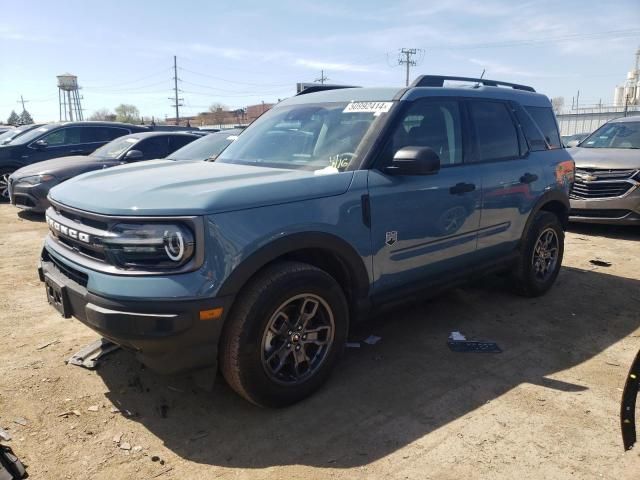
35	179
152	246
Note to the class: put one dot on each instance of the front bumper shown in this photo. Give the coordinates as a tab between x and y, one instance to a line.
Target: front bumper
167	335
30	197
623	210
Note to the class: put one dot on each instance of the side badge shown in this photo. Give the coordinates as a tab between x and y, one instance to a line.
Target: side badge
391	238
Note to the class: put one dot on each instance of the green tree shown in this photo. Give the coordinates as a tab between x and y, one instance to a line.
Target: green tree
25	118
127	113
13	119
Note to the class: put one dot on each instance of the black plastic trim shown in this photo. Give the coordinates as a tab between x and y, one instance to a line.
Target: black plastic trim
292	243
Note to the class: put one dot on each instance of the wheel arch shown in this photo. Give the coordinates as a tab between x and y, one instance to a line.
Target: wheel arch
554	201
323	250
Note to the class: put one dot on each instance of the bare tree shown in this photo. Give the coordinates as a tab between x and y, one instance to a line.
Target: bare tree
104	114
219	112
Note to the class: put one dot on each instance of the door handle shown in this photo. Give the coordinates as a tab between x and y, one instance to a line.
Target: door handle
528	178
76	151
460	188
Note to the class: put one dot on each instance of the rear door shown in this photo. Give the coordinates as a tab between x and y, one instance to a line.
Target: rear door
513	175
425	225
179	141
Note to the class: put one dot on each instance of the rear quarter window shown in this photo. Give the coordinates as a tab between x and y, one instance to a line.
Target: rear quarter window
546	121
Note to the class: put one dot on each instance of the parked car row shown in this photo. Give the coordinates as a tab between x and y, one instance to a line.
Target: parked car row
76	146
334	202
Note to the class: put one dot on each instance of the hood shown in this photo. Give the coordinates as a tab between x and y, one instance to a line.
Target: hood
65	167
609	158
165	187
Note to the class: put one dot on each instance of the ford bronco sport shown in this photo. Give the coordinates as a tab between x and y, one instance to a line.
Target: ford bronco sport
330	204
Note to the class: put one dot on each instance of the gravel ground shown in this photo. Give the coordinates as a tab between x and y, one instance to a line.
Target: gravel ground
407	407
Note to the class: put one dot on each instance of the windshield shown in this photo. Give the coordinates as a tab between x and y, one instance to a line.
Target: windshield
307	136
115	148
207	147
9	135
33	134
615	135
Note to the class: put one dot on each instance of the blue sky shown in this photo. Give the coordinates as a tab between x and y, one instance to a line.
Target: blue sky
243	52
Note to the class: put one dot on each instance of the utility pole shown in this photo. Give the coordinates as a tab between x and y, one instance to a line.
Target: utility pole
23	101
406	58
176	100
322	78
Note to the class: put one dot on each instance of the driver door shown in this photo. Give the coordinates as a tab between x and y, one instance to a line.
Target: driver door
425	225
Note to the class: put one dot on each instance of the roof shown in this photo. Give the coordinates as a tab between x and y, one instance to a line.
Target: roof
357	94
142	135
99	123
634	118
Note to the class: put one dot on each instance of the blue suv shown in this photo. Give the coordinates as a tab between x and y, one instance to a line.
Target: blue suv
331	204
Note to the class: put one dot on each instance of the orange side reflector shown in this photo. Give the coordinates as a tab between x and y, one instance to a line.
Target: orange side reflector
212	314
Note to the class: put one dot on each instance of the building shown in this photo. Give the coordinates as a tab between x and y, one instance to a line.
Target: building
629	92
224	118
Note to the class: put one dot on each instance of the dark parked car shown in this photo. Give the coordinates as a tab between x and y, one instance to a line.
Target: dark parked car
57	140
28	187
10	135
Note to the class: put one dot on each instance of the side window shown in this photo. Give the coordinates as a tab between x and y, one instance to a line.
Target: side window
533	135
154	147
112	133
64	136
55	138
429	123
179	141
545	119
94	135
496	133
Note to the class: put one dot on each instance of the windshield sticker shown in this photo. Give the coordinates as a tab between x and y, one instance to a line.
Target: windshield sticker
330	170
368	107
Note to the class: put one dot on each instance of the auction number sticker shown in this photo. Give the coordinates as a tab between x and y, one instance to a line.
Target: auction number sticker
368	107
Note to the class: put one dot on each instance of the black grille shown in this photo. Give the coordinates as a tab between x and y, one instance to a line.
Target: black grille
83	220
69	272
598	213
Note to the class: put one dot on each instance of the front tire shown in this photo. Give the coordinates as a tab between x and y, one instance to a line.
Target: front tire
284	334
540	256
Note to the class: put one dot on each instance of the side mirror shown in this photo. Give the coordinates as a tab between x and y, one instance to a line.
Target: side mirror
133	155
414	161
573	143
41	144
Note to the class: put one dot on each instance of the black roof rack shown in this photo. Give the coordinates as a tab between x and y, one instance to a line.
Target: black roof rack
304	89
438	81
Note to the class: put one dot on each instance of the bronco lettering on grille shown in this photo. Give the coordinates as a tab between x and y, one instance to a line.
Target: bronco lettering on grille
67	231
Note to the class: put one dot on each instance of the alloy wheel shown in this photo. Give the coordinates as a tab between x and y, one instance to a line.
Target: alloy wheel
297	339
545	254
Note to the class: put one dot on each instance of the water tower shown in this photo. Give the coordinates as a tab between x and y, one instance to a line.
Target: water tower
69	98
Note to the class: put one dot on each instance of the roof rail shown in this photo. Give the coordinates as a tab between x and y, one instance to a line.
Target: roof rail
438	81
320	88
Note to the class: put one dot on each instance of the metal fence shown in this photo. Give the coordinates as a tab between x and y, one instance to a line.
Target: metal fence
588	119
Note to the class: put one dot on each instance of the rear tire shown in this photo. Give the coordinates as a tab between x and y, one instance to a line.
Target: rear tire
4	184
284	334
541	255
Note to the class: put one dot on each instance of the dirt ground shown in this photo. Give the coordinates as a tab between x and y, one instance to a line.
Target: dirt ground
407	407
